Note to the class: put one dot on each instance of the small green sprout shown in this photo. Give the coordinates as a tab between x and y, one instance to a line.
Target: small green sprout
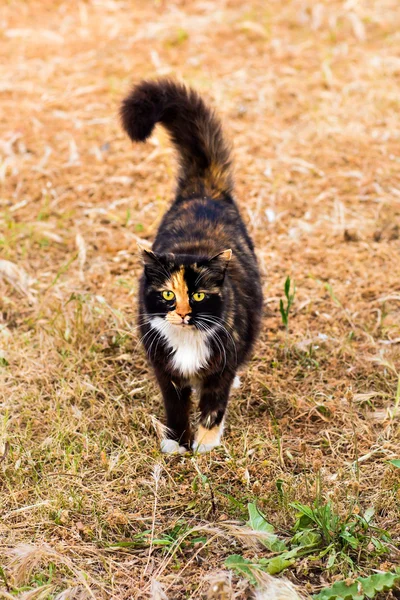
290	299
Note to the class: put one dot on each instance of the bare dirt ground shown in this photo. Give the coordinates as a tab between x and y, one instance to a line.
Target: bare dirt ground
310	96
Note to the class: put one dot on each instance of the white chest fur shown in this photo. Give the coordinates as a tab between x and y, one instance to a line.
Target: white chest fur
189	346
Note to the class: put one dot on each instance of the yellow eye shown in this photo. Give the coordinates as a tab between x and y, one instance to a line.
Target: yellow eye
168	295
199	296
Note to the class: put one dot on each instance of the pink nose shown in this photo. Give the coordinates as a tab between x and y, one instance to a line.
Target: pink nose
185	317
182	313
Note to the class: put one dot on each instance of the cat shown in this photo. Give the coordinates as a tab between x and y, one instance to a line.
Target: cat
200	301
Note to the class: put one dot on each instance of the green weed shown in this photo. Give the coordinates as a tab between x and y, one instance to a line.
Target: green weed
360	588
341	539
319	533
284	310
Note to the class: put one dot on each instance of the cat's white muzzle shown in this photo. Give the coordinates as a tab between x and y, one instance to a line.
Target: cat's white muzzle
183	322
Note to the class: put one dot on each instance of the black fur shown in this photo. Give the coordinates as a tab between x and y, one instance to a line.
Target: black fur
194	129
202	223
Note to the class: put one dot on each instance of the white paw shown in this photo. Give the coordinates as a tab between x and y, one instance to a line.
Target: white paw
207	439
203	448
172	447
236	383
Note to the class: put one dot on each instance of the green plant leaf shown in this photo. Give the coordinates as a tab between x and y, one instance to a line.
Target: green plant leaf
276	564
307	538
3	576
395	462
243	566
331	559
249	569
305	516
198	540
287	287
283	312
350	539
369	513
362	587
258	523
233	501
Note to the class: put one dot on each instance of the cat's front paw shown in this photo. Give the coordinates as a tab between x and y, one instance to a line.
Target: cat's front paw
172	447
207	439
199	448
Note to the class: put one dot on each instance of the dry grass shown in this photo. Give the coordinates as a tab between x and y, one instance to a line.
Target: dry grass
309	93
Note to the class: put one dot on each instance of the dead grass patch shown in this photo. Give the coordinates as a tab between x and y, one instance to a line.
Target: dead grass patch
309	93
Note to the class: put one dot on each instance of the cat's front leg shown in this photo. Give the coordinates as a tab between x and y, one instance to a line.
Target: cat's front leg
214	397
176	398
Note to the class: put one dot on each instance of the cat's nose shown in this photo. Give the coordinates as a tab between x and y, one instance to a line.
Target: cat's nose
184	316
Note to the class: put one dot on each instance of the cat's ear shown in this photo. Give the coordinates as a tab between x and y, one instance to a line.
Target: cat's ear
148	256
153	267
222	258
219	263
225	255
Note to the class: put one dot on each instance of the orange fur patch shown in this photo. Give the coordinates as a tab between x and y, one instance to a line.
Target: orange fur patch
178	285
207	439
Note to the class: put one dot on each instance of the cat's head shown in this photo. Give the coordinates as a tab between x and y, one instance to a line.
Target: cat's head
184	290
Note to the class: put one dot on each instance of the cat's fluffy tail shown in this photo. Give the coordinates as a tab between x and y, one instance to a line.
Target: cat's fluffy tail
195	131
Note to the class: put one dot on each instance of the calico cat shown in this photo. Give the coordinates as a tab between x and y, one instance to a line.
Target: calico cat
200	294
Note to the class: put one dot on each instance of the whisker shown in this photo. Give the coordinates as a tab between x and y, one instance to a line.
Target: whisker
163	329
142	339
151	330
225	330
217	337
219	323
230	339
157	335
217	340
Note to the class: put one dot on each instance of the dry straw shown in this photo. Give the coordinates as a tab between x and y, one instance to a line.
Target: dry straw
308	93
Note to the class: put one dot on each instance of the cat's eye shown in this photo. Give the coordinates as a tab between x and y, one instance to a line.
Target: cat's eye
198	296
168	295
